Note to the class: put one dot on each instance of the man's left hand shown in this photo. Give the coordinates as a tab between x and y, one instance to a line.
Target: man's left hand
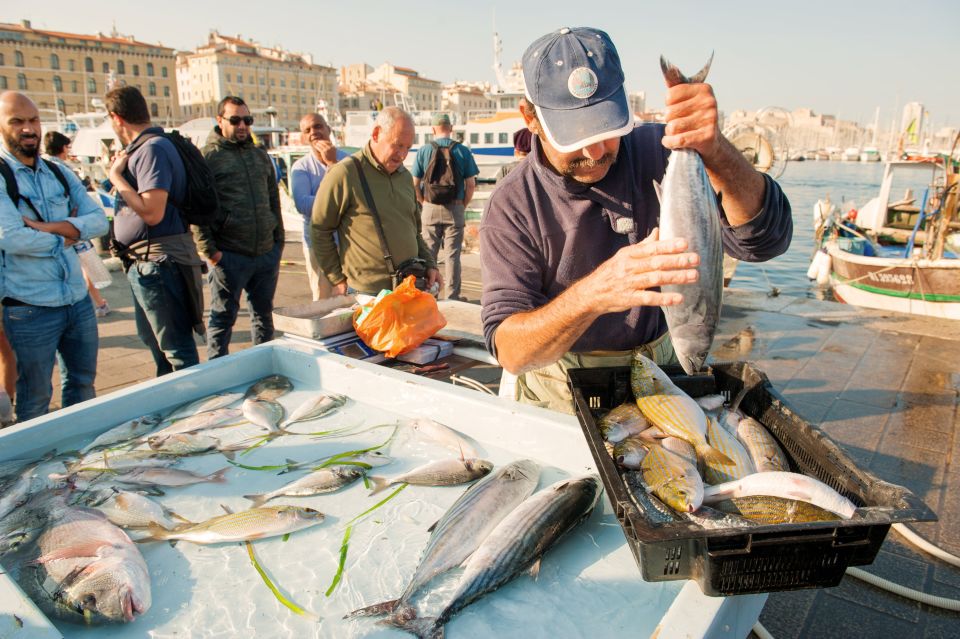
692	119
434	277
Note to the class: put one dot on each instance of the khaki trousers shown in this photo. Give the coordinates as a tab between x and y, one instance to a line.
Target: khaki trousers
320	287
547	387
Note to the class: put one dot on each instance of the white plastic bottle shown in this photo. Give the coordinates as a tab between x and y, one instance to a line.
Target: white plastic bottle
92	265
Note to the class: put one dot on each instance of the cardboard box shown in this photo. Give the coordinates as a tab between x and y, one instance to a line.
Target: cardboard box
317	319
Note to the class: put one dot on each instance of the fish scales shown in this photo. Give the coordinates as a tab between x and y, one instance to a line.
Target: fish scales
762	447
689	210
730	446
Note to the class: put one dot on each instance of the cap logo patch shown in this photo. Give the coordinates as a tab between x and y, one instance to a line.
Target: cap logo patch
582	83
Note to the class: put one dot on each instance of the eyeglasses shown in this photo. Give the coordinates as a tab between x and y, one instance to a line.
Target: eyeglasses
235	120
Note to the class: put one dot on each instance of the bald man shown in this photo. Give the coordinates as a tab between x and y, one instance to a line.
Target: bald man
305	178
44	211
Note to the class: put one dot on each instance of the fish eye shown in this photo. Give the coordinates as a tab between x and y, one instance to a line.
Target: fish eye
89	601
682	493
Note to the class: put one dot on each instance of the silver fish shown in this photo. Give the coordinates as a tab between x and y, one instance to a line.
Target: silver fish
263	412
688	209
246	525
438	433
325	480
133	510
270	387
785	485
316	407
205	404
183	444
763	448
445	472
87	570
464	526
124	432
116	460
515	546
622	422
216	418
630	452
167	477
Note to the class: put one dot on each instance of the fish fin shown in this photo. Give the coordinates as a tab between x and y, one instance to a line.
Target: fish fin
186	522
406	619
433	526
659	191
229	454
382	608
711	454
674	76
218	477
293	463
652	434
157	533
380	484
83	549
535	569
258	500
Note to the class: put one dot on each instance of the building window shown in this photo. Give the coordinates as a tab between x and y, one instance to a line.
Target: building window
503	138
54	61
91	85
21	82
250	79
3	82
228	77
166	92
150	69
73	86
88	65
18	58
121	67
163	72
71	64
136	69
154	111
61	105
239	79
152	88
474	138
2	63
57	83
106	67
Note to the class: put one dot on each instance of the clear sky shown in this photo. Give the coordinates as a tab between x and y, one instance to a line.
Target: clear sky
837	57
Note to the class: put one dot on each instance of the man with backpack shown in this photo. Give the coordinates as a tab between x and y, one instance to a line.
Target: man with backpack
444	177
244	244
152	234
44	211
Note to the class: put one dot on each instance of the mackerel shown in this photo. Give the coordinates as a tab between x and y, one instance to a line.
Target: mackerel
515	546
464	526
688	209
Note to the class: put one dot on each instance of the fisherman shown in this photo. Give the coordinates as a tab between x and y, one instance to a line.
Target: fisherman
569	250
44	212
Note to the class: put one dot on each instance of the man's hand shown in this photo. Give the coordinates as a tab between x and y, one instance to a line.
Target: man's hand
214	259
624	281
118	166
326	150
67	231
340	289
434	277
692	119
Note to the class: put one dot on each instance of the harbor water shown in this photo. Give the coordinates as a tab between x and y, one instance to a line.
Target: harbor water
804	183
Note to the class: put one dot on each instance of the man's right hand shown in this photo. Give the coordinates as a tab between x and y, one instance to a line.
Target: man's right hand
624	281
341	288
326	150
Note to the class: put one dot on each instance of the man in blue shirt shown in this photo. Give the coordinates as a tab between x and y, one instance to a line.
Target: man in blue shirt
305	177
443	224
152	239
46	309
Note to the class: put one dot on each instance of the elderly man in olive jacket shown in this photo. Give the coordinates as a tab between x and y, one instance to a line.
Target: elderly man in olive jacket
244	244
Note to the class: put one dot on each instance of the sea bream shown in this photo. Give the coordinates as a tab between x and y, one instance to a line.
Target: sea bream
124	432
689	210
443	472
464	526
316	407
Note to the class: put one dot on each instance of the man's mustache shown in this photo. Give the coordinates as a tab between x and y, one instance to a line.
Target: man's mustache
587	163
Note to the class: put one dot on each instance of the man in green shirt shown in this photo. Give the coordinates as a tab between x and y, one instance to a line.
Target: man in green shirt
341	207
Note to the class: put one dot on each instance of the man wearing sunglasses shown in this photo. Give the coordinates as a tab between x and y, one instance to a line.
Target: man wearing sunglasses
244	244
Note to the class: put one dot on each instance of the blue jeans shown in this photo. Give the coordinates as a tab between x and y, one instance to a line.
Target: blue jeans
164	322
41	334
232	275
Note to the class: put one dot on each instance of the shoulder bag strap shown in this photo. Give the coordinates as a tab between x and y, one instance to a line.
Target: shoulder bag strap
376	216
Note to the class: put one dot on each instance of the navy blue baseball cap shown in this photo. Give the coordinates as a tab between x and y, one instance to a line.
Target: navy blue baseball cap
574	78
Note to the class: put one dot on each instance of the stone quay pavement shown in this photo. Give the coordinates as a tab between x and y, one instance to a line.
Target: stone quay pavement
885	387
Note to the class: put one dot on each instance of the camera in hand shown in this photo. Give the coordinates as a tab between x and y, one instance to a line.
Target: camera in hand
414	266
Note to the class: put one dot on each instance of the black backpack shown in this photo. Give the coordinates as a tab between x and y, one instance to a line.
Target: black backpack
13	190
201	204
442	176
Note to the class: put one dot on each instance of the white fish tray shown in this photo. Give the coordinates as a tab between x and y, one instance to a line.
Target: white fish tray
588	585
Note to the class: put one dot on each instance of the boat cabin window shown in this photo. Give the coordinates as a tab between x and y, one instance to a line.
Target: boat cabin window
488	138
474	138
458	136
427	138
504	138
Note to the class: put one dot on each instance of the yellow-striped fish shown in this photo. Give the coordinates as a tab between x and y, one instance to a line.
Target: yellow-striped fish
730	446
764	450
622	422
671	410
680	447
675	481
246	525
775	510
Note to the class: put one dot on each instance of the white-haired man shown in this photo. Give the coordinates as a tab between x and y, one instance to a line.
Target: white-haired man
362	263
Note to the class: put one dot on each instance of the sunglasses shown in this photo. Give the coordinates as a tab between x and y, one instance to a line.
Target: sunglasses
235	120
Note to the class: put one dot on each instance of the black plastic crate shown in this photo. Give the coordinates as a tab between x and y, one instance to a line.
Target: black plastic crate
737	561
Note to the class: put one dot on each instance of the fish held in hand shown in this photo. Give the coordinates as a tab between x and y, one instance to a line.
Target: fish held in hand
785	485
445	472
689	210
246	525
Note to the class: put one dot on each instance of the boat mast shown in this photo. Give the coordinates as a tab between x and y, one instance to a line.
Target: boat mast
951	201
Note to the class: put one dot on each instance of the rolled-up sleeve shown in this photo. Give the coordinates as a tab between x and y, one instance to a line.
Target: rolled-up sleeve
766	236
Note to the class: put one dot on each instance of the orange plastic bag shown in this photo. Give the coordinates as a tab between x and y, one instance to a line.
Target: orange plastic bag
401	320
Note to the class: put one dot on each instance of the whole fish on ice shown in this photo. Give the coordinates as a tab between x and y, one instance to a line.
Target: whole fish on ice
688	209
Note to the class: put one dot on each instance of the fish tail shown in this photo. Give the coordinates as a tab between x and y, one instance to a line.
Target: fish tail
180	518
258	500
710	454
674	76
423	627
382	608
157	533
218	477
229	454
380	484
